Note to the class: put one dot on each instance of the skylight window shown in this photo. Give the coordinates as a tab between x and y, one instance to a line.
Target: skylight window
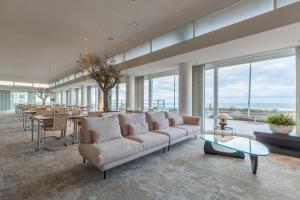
40	85
23	84
7	83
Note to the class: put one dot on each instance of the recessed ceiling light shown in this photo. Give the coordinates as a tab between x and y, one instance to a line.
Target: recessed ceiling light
132	1
133	38
85	39
110	38
134	24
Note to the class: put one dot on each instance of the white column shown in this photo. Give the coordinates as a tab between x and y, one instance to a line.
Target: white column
84	95
130	93
185	88
73	96
58	97
64	97
297	89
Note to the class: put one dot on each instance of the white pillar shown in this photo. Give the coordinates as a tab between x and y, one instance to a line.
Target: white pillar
73	96
297	89
64	97
57	97
84	95
185	88
130	93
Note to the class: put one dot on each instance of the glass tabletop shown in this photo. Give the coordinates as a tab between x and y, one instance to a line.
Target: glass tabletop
242	144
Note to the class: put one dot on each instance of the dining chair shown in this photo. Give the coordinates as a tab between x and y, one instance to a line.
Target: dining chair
59	124
94	114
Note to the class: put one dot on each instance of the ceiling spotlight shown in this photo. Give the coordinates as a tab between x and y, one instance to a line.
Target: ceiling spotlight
110	38
133	38
132	1
85	39
134	24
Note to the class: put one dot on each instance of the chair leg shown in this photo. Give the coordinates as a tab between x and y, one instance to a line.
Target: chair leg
168	148
104	175
44	136
83	159
164	150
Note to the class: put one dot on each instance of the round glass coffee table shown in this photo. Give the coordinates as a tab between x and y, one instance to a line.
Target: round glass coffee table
240	145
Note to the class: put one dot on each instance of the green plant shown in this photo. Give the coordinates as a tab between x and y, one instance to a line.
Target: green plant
281	119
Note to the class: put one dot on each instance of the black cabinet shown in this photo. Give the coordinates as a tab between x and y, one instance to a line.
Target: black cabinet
279	143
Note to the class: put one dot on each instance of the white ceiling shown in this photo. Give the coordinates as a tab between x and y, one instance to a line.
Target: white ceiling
40	40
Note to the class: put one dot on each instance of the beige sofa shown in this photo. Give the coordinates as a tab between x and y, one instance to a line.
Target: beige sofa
176	127
107	142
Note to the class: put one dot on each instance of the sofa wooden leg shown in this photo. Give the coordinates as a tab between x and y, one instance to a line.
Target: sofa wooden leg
83	159
104	175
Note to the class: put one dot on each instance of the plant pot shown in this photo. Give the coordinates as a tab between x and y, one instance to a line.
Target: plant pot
283	129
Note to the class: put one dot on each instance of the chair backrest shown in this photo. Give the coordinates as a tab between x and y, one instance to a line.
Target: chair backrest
40	111
75	111
48	112
60	121
94	114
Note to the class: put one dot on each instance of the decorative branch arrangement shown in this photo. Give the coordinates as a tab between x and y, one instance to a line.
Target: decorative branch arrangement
107	75
43	93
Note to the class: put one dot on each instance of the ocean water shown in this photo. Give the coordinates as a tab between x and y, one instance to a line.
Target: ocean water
269	106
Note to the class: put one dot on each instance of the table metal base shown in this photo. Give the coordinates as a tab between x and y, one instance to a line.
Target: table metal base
209	149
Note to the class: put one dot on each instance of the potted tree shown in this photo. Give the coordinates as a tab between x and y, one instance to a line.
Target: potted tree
281	123
43	94
106	74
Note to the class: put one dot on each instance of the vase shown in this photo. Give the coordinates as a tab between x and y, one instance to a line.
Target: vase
283	129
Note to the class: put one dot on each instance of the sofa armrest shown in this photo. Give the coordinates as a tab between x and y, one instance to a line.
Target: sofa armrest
192	120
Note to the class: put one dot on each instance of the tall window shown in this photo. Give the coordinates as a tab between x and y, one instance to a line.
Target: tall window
122	96
273	87
94	98
113	105
165	93
146	94
251	92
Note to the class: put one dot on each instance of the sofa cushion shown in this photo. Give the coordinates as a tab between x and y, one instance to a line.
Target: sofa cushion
191	129
150	139
109	151
173	132
136	128
126	119
164	123
175	118
155	118
104	128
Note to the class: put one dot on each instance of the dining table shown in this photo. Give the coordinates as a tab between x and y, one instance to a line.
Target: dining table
40	119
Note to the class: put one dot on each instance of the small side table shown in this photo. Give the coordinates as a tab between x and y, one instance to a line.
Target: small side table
225	130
